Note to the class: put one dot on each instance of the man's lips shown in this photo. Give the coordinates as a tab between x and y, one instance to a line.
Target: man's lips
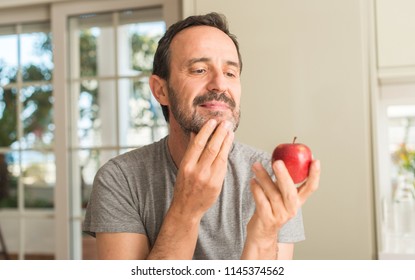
215	105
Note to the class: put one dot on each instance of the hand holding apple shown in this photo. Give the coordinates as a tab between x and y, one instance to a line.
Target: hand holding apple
297	158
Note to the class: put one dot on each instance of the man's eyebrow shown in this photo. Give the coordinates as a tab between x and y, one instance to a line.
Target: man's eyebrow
196	60
206	59
233	63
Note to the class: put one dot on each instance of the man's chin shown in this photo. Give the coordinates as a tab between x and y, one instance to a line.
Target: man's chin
200	120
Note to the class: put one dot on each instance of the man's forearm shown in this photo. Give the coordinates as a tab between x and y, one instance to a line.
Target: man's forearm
264	250
177	237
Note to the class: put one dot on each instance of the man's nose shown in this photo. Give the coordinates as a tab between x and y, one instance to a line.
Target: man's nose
217	82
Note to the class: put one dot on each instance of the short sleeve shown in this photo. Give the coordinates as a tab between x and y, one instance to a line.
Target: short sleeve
293	230
113	206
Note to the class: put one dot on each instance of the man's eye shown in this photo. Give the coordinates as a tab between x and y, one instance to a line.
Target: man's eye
230	74
199	71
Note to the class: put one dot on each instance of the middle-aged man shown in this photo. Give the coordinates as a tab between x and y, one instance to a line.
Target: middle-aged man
197	194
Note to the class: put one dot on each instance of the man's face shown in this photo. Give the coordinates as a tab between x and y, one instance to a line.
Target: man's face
205	78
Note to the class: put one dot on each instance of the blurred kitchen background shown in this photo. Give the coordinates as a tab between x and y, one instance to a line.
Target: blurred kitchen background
339	75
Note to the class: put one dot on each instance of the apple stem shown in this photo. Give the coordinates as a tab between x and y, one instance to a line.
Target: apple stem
295	138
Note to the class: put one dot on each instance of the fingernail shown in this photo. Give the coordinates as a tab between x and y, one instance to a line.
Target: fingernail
212	122
317	164
256	166
228	125
279	164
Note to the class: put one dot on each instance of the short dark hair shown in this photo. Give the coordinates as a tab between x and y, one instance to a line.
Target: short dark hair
161	64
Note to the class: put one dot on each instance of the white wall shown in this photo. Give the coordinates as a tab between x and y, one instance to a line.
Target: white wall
305	75
395	22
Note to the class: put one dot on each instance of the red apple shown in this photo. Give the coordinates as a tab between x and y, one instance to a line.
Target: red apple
297	158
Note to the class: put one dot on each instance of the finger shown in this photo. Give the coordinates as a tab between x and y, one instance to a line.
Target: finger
221	161
265	180
216	143
286	185
312	183
261	200
198	142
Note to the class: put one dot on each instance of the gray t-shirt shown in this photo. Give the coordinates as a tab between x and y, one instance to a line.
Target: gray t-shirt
132	193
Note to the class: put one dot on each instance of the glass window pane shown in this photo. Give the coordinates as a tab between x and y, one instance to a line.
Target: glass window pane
8	59
38	178
96	114
137	45
402	149
36	56
37	117
8	116
402	137
94	35
9	176
141	120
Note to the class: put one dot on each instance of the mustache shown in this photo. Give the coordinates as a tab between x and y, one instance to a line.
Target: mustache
213	96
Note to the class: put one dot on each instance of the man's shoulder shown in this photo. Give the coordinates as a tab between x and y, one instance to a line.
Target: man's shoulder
148	153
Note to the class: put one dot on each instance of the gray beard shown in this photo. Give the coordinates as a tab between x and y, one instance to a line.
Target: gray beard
195	122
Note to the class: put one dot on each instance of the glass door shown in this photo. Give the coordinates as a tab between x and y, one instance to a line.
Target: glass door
105	104
112	108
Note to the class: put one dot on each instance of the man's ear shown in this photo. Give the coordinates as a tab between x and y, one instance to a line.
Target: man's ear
158	87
